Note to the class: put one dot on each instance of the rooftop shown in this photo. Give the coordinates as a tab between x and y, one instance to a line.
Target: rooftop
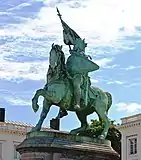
16	127
129	119
20	128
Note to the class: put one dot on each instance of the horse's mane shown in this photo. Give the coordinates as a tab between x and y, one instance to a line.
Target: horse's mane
61	70
63	65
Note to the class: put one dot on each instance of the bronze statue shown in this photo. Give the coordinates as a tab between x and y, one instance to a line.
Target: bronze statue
68	84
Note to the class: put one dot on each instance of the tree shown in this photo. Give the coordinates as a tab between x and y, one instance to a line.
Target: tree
96	127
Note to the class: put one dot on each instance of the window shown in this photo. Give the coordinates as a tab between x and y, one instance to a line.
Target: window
16	154
133	146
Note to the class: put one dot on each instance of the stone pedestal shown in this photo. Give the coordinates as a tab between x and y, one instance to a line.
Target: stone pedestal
56	145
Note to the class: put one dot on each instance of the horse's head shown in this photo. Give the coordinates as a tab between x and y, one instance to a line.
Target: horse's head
55	56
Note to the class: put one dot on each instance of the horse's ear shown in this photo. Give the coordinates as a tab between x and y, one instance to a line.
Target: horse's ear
52	44
61	46
84	40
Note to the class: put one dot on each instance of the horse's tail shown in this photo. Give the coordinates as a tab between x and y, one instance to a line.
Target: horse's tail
109	100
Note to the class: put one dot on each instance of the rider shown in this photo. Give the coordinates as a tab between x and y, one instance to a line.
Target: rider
78	65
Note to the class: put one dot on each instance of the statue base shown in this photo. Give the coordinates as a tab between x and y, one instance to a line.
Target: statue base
57	145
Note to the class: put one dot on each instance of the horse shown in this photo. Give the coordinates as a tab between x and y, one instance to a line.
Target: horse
59	91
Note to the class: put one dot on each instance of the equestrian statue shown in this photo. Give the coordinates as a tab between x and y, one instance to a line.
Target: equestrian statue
69	87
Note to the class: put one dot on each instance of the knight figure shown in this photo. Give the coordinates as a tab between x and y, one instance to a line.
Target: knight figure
78	64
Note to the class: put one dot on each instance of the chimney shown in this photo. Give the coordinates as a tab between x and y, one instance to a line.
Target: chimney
2	114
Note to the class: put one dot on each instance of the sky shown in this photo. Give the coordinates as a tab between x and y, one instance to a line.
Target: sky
112	29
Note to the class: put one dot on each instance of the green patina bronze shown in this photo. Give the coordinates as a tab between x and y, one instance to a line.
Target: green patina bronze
68	84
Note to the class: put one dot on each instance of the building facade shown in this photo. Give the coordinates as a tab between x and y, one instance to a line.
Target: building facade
11	135
131	137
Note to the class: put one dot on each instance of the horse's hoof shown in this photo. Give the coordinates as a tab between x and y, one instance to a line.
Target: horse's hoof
35	107
73	132
34	129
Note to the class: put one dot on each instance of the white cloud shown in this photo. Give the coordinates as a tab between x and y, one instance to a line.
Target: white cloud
103	19
71	3
134	84
128	107
132	67
25	70
116	82
94	80
112	66
18	101
21	101
19	6
100	22
103	62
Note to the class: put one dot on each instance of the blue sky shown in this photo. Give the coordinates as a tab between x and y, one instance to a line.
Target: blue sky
29	27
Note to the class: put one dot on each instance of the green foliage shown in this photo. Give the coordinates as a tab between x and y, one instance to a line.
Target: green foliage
96	127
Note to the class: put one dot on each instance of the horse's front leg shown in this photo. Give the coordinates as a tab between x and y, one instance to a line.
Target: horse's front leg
35	105
40	92
45	110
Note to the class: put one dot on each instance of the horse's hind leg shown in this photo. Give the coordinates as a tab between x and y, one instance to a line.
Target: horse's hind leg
62	113
45	110
106	128
83	119
101	111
